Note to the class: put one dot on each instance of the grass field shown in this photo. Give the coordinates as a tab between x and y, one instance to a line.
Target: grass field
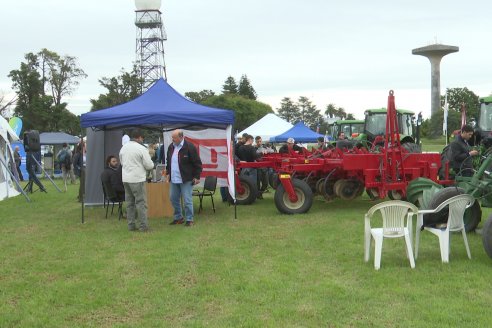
262	269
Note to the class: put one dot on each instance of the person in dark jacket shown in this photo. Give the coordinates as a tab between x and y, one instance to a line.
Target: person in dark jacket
112	176
461	160
247	153
183	169
289	147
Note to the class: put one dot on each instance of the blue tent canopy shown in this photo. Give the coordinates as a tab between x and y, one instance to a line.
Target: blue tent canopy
161	106
300	133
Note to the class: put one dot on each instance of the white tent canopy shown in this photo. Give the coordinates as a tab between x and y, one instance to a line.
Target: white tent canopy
268	126
7	135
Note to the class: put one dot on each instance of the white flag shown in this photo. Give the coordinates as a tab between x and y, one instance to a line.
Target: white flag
445	117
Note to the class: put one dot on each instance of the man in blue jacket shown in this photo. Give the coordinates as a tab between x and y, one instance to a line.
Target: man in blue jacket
183	169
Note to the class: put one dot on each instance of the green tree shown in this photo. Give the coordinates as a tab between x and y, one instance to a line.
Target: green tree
120	89
333	111
309	114
342	113
459	96
246	89
38	110
432	128
230	86
246	111
350	116
60	74
199	97
289	111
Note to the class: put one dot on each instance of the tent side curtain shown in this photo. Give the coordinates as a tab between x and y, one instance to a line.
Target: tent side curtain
160	106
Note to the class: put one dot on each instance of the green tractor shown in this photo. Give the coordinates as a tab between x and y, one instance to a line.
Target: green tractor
351	128
483	130
427	194
375	129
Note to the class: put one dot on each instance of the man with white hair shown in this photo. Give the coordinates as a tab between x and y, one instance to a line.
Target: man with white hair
183	170
290	147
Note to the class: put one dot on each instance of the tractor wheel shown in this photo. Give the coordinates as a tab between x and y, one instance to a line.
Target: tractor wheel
372	193
349	189
273	180
411	147
487	236
327	189
395	195
473	214
319	186
360	190
337	187
304	198
312	184
248	197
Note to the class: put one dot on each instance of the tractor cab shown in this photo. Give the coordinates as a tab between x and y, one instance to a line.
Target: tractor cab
484	127
351	128
375	125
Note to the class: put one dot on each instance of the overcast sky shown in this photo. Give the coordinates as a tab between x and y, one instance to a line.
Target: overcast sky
349	53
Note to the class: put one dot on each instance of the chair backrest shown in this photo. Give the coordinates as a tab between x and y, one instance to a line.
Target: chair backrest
210	183
393	213
457	207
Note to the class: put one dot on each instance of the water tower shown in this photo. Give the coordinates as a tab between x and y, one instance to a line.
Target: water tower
434	53
149	48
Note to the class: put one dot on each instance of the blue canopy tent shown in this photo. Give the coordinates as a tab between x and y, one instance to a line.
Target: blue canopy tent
300	133
160	107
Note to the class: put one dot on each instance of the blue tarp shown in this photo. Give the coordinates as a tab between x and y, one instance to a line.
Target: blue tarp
160	106
300	133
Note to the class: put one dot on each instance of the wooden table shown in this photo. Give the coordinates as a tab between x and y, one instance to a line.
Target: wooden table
158	202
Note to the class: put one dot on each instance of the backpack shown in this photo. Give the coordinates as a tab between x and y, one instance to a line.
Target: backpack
61	156
67	161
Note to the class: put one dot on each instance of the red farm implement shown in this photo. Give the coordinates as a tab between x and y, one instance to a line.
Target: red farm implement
343	173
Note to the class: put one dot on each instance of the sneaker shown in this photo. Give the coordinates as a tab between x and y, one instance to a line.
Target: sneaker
179	221
189	224
146	229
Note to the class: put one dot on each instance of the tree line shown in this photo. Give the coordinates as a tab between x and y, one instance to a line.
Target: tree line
45	78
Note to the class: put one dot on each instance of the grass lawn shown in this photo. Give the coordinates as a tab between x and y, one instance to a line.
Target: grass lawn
262	270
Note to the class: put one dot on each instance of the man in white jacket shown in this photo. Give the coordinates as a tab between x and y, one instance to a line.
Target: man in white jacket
135	161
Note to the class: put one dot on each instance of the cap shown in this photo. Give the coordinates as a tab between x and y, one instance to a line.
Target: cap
290	140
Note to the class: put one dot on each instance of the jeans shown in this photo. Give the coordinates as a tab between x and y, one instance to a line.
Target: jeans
136	199
251	172
177	190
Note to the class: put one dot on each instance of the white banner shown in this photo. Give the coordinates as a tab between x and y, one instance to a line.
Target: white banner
212	146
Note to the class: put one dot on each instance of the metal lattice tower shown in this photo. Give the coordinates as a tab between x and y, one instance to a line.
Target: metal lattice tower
149	48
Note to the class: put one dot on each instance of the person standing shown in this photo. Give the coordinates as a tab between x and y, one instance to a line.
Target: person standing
64	158
18	161
79	167
135	161
462	161
183	169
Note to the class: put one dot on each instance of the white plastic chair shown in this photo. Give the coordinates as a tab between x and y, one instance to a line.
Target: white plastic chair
394	226
457	207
